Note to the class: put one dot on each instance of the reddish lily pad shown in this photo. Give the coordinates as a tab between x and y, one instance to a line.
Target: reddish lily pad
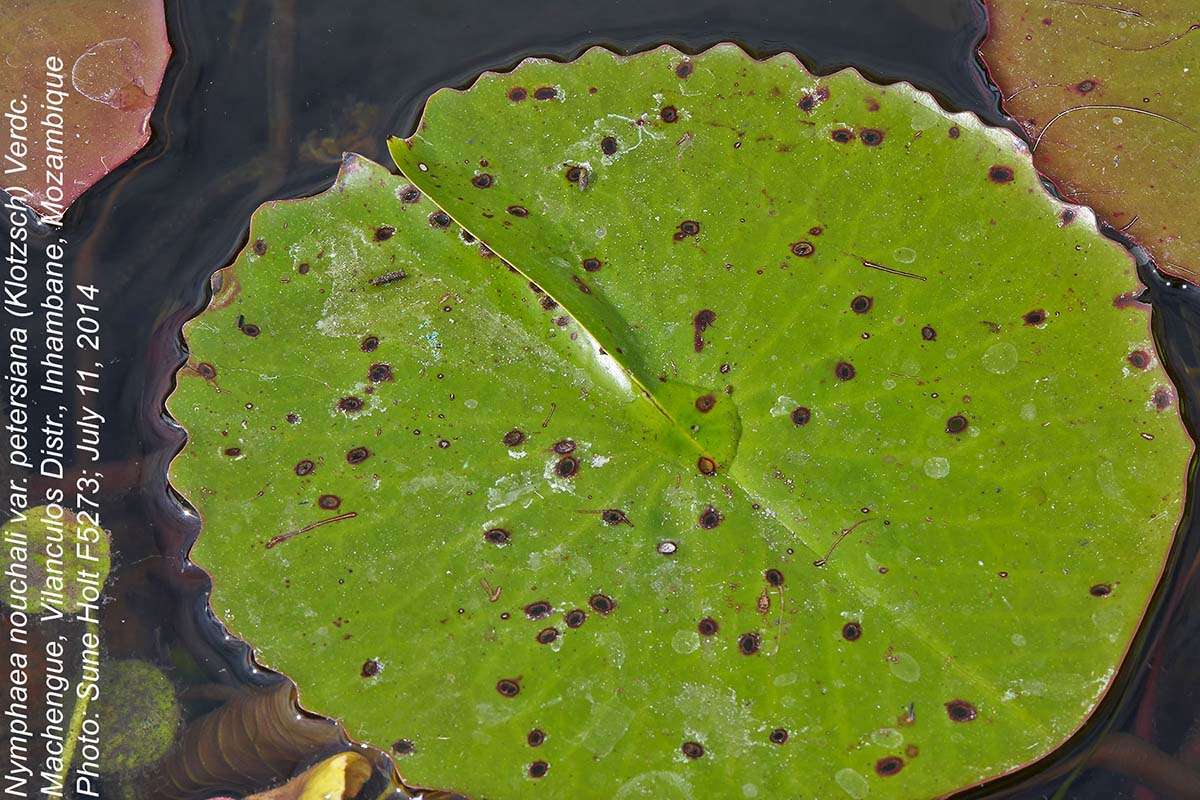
93	104
1109	96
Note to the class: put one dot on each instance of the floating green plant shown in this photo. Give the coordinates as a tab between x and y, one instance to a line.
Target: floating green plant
758	434
138	712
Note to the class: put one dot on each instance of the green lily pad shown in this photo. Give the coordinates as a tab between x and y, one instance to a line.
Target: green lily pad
766	435
1108	94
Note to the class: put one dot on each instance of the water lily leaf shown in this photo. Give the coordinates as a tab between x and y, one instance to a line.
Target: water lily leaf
111	59
339	777
254	739
760	434
1108	94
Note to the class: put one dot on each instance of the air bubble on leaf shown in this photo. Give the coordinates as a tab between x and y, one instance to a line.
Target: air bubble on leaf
1000	358
904	667
783	406
852	783
887	737
937	467
684	642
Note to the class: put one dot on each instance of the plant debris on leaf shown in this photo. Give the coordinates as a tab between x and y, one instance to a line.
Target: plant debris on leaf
789	441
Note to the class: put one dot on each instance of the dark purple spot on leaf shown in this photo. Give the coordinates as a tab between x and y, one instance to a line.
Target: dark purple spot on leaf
577	174
1101	590
547	635
692	749
508	687
1000	174
371	668
778	736
601	603
749	643
538	769
497	536
842	135
852	631
482	181
614	516
700	323
1035	317
358	455
329	501
705	403
608	145
575	617
960	711
707	626
706	465
801	415
709	518
871	137
861	304
545	93
514	437
844	371
802	249
773	577
928	333
535	737
517	94
518	211
889	765
956	424
539	609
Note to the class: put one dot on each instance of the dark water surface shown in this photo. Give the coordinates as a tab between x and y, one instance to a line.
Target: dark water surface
258	103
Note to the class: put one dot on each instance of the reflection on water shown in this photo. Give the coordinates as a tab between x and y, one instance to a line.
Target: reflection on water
259	103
